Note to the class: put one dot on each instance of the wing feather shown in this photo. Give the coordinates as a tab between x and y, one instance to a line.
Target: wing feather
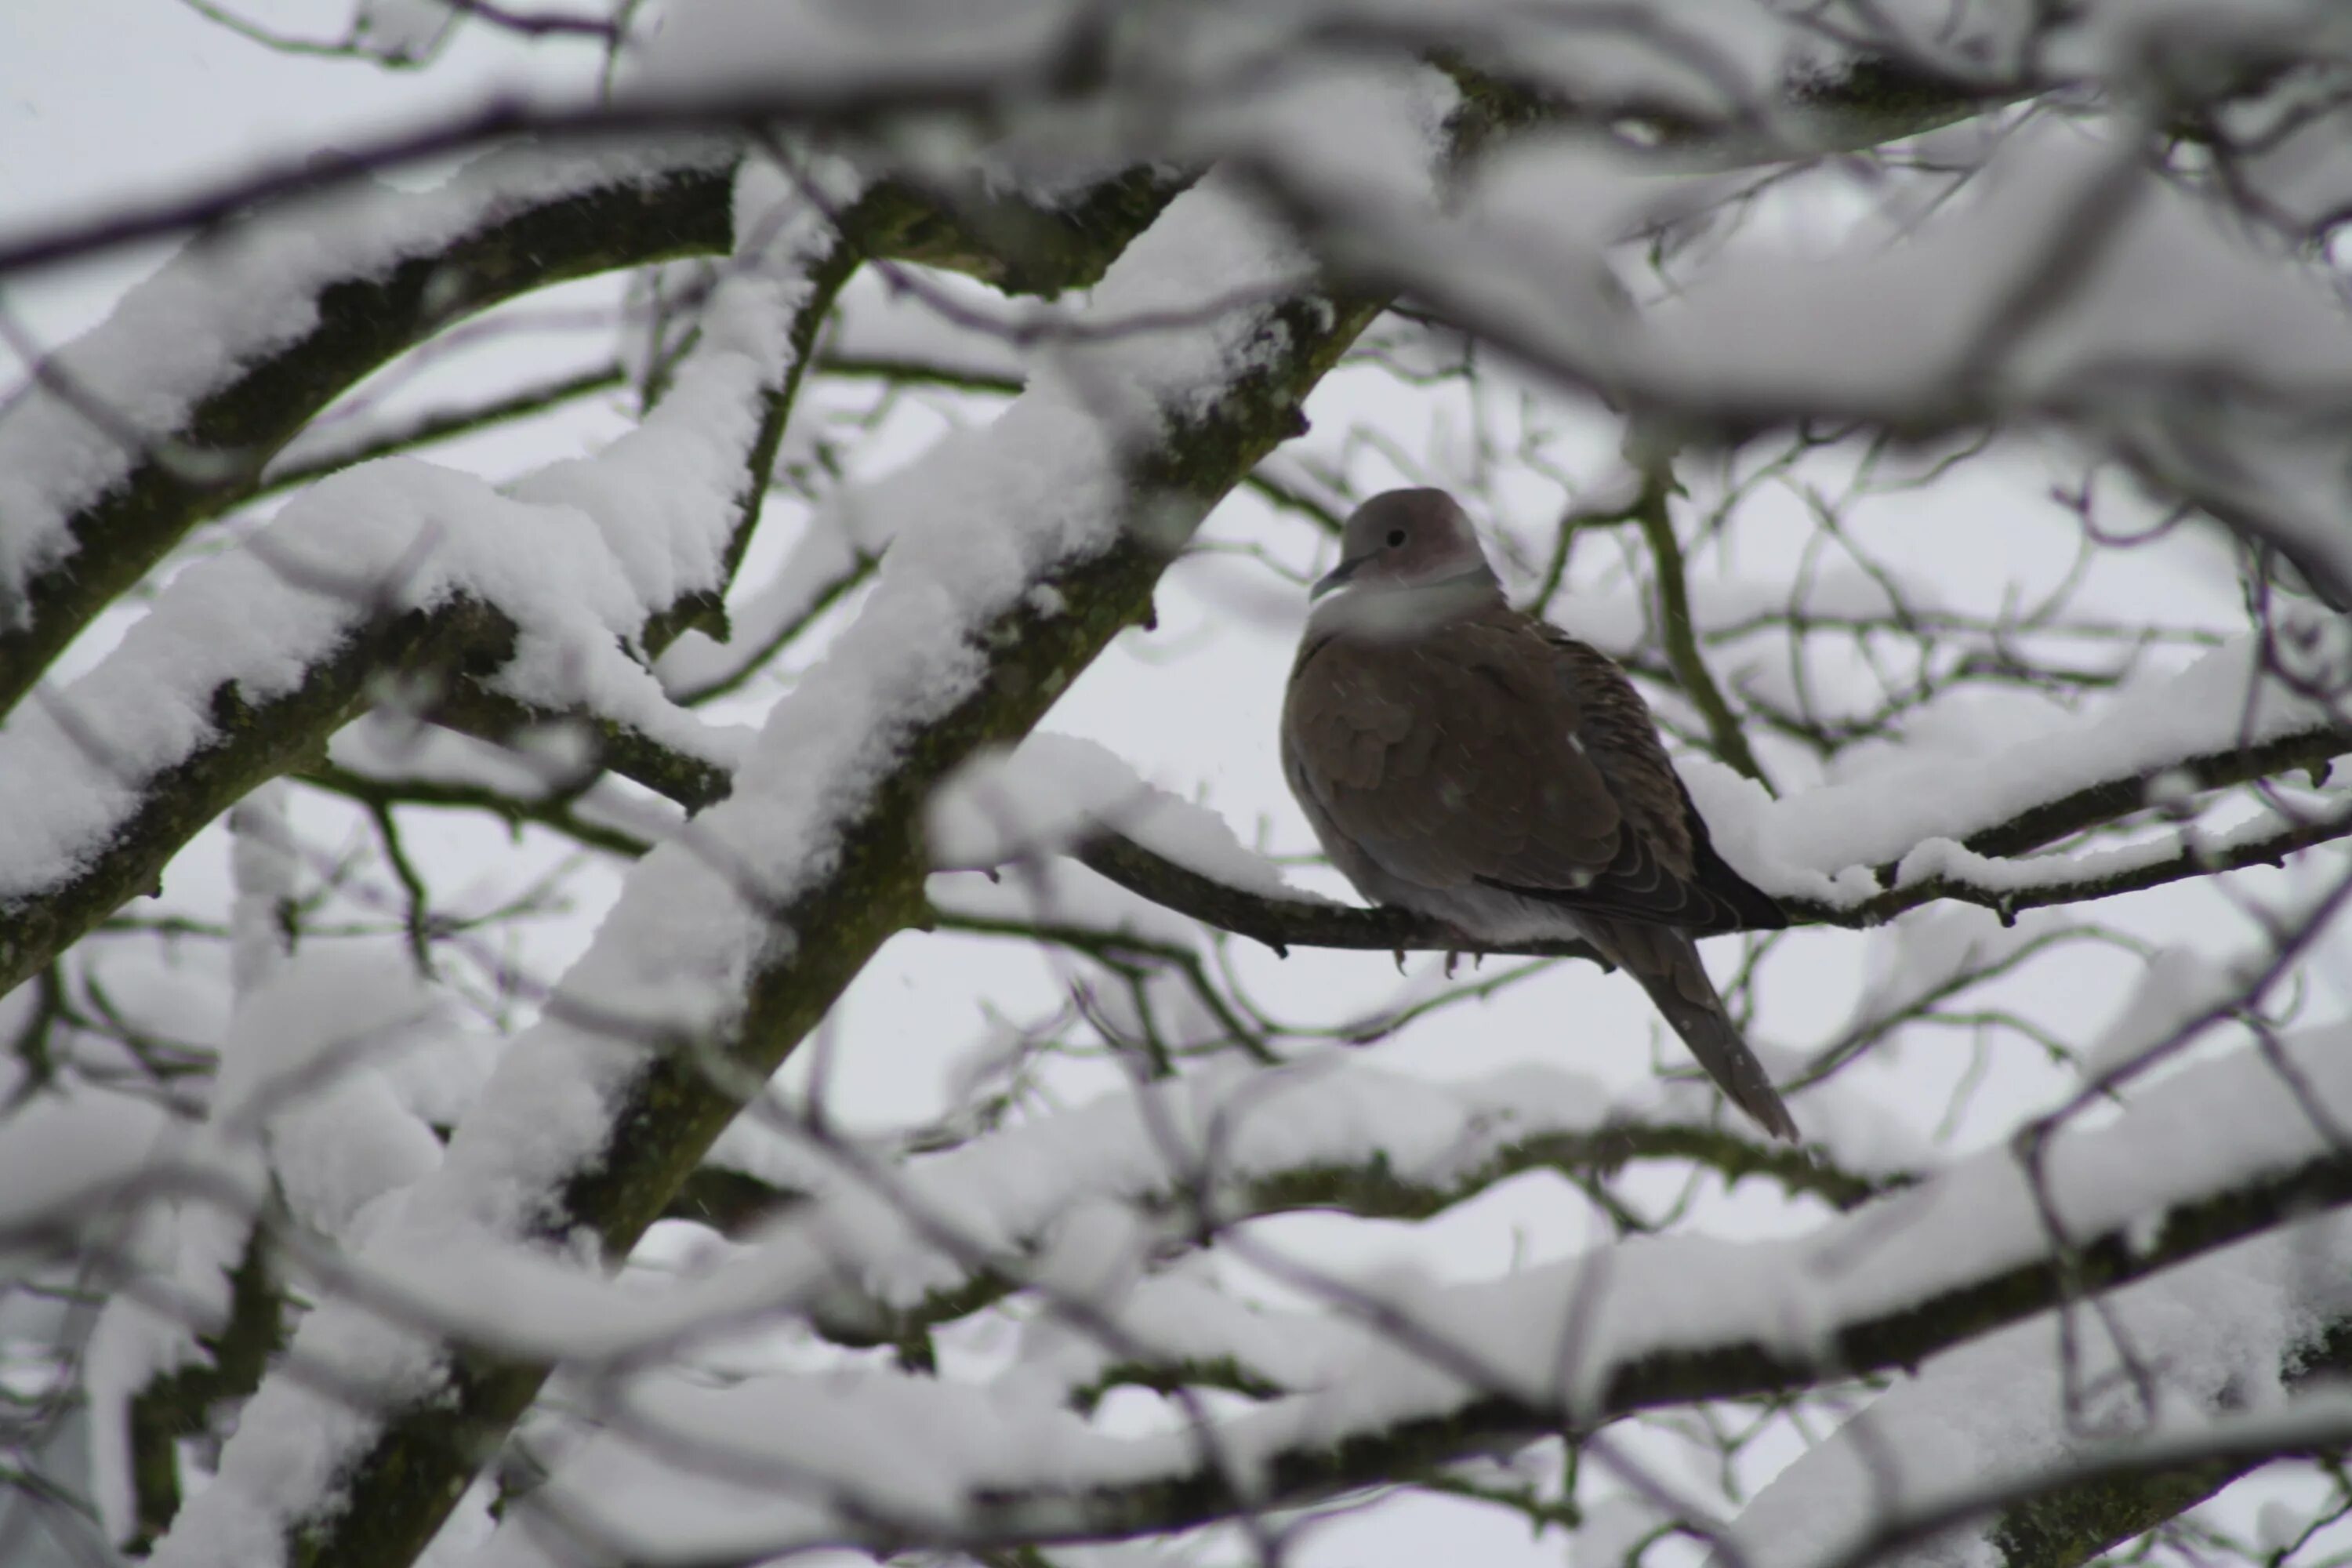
1495	751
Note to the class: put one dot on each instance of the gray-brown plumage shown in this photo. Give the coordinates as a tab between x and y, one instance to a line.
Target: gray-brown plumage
1461	759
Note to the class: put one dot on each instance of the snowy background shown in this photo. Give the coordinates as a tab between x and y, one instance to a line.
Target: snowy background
1006	1139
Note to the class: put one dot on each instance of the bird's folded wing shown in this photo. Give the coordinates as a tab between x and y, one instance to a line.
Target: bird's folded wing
1459	759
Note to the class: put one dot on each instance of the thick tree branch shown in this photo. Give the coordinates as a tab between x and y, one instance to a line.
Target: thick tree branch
217	457
412	1464
1557	1359
362	322
460	643
2069	1513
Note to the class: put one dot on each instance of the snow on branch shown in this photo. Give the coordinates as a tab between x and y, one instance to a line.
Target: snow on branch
251	658
1729	84
248	661
1389	1373
2072	280
2178	1372
1037	539
1861	851
170	409
882	1253
305	1108
1852	854
109	454
2234	714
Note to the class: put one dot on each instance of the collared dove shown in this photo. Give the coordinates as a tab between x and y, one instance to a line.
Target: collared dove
1461	759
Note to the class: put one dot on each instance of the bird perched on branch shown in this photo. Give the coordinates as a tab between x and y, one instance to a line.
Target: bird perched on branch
1463	760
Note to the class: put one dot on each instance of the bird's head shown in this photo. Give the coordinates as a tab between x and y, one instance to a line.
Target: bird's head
1416	542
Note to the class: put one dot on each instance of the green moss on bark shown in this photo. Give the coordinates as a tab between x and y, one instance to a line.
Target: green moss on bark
255	742
180	1403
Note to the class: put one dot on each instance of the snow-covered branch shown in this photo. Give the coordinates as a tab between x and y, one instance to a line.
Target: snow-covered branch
2252	1343
1337	1134
1408	1374
158	789
1853	855
1039	539
109	457
169	412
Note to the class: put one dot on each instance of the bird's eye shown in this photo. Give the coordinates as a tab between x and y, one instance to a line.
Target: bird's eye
1396	537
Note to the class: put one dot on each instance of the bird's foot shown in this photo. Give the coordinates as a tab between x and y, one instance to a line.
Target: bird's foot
1469	944
1400	958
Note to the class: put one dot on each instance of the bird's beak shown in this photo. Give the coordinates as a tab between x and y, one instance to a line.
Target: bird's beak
1335	578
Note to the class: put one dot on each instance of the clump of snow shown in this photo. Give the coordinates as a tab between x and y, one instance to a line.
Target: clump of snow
66	1148
1744	822
667	495
728	48
2174	789
1093	1255
2220	1332
1182	310
313	1044
1905	810
1054	791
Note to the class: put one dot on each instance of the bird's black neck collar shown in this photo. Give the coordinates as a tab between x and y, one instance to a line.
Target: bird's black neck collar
1393	611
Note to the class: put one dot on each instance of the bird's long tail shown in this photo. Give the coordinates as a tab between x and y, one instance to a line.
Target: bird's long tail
1666	963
